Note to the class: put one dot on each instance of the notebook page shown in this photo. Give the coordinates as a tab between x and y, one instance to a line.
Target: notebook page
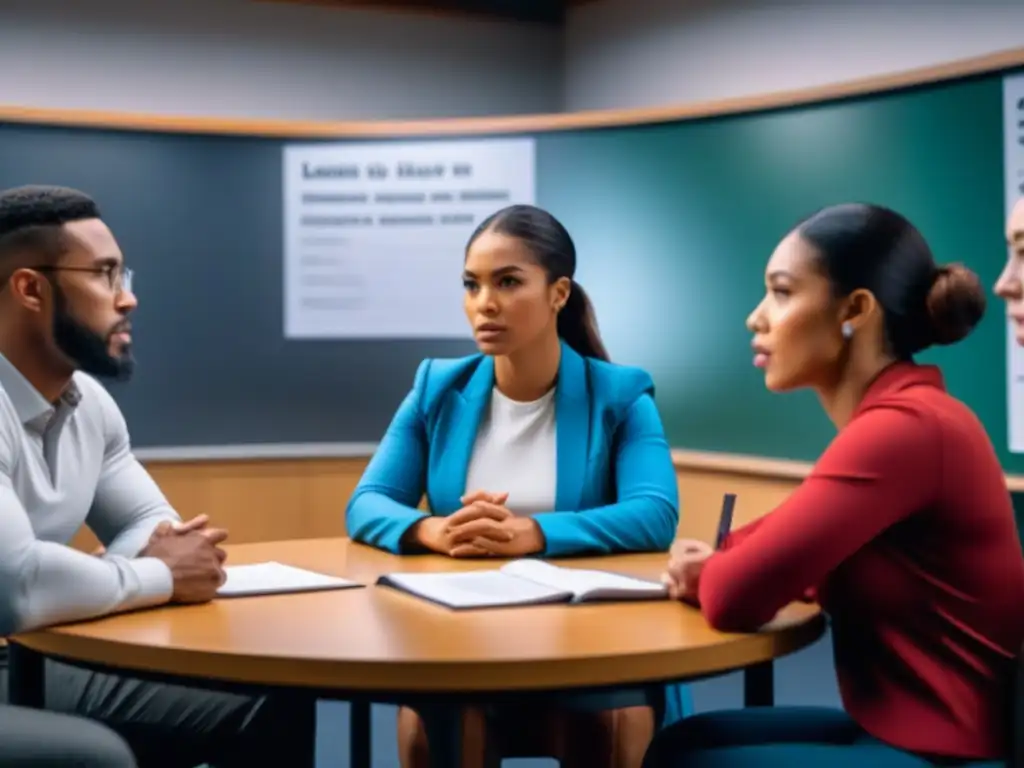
274	578
581	582
474	589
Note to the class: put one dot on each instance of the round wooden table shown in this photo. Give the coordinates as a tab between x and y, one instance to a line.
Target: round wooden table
378	644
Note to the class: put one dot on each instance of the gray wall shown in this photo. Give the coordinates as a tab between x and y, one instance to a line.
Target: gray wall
640	53
270	60
262	59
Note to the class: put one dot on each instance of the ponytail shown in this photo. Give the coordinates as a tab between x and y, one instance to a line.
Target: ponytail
577	325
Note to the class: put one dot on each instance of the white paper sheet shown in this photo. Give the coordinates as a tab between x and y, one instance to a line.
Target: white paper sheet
275	578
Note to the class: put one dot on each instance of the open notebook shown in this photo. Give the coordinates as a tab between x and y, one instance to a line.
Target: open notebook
275	578
522	582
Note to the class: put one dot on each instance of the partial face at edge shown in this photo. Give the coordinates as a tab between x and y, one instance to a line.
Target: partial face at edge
508	300
797	326
1010	285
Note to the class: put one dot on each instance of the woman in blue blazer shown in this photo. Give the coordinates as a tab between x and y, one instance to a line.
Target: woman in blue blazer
538	446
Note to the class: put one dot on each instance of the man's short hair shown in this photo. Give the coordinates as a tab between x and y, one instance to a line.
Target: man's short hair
32	218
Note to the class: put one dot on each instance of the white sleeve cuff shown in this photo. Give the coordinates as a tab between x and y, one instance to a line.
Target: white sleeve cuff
155	583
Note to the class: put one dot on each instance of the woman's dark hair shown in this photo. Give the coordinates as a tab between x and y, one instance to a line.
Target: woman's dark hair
869	247
551	245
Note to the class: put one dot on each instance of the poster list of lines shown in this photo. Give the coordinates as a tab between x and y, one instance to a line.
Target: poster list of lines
375	233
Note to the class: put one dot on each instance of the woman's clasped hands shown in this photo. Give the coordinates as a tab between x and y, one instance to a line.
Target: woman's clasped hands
483	527
686	562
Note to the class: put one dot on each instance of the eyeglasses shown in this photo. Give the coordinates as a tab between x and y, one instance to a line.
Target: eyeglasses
118	275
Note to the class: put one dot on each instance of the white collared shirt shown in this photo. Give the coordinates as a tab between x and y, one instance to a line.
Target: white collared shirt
61	466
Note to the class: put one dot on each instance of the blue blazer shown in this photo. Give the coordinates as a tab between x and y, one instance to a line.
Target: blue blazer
616	486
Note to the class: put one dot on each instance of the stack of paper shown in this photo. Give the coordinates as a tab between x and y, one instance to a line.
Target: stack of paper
276	578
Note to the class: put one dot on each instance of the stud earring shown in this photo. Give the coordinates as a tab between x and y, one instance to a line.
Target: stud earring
847	330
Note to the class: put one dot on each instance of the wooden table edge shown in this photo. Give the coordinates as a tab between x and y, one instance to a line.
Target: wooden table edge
430	677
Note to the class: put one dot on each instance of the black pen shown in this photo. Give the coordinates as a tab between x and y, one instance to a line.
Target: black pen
725	521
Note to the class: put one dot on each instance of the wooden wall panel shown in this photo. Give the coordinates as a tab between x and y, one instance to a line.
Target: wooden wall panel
268	500
701	491
261	500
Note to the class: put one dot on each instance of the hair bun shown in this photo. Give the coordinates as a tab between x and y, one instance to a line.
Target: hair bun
956	303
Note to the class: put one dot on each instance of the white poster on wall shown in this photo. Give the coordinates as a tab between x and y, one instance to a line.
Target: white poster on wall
1013	143
375	233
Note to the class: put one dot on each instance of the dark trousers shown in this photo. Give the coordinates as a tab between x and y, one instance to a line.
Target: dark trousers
780	737
33	739
173	726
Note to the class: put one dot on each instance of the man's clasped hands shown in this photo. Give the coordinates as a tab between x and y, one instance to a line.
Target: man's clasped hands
192	552
482	527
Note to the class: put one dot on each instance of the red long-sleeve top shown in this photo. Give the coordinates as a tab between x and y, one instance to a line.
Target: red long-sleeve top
905	532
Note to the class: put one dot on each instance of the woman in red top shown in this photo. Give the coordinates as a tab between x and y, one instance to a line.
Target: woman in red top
904	530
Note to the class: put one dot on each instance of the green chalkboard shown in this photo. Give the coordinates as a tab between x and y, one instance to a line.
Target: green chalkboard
673	223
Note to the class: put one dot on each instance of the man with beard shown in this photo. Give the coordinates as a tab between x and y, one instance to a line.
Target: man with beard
65	460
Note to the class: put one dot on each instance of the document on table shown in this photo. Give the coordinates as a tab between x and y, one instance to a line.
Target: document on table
523	582
276	578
